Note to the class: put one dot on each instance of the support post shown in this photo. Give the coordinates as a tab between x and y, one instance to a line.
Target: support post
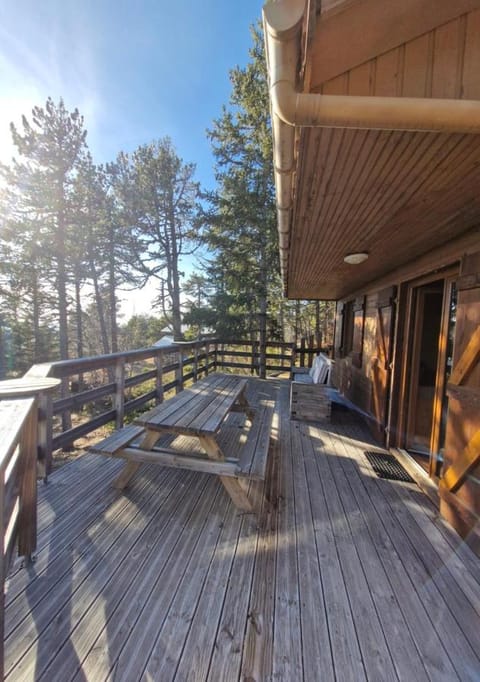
159	378
45	434
293	359
195	362
119	392
27	515
179	372
302	352
207	357
253	368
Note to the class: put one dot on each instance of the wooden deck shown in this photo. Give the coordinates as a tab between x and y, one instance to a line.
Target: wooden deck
344	576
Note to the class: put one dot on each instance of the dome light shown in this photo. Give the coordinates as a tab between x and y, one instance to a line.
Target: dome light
356	258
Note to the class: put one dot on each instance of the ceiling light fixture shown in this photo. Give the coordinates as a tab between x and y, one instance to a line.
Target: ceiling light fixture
356	258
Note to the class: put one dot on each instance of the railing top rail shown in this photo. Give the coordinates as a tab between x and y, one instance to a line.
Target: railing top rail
63	368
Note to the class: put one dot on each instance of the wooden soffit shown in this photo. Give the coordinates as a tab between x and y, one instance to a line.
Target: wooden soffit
394	194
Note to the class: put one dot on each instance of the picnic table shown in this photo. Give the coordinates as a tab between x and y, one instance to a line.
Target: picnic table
191	431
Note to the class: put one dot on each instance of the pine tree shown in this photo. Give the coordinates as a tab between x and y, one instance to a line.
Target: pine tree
50	148
241	217
159	194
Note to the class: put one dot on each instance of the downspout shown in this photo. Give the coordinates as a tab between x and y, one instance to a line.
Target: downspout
283	20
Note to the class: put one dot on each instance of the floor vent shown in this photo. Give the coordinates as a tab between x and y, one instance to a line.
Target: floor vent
387	466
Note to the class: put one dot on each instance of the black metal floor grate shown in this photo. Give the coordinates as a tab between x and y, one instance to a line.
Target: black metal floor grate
387	466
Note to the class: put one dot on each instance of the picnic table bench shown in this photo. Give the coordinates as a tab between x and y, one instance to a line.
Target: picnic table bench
196	430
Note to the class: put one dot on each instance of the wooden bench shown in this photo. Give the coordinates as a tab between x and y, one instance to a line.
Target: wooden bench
319	372
310	402
310	392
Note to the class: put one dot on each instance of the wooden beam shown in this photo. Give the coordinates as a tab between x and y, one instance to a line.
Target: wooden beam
368	29
232	485
178	460
456	473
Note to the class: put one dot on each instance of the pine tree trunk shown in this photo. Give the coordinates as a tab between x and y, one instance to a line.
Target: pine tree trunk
62	307
78	317
282	321
173	279
297	322
112	295
37	341
100	311
3	351
262	326
318	331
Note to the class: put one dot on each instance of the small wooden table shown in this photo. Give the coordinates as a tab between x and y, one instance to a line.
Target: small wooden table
198	413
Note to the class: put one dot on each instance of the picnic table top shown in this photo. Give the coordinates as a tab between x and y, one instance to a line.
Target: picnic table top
198	410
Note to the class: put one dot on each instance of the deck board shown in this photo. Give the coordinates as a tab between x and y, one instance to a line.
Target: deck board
342	576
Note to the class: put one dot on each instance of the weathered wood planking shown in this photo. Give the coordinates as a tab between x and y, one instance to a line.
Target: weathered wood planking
390	550
201	408
310	401
170	583
148	575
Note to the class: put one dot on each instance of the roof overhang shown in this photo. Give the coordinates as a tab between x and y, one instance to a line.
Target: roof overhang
376	145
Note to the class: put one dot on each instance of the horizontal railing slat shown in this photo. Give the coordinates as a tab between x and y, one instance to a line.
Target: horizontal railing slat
180	363
132	405
67	437
80	399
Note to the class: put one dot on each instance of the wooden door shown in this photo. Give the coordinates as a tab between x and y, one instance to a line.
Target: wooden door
459	485
381	367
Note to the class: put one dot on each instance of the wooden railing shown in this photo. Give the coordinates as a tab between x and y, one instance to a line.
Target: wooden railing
18	487
108	388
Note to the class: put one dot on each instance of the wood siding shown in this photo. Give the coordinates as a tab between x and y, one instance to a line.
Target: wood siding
367	386
363	374
462	506
347	577
393	194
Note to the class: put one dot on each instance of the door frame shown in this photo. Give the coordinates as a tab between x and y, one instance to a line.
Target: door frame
440	382
409	344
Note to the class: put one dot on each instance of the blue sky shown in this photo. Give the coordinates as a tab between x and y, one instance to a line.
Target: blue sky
136	69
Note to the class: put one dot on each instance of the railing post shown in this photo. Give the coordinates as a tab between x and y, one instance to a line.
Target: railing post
293	358
195	362
159	377
179	372
66	415
119	398
207	357
254	355
302	352
262	359
45	434
27	514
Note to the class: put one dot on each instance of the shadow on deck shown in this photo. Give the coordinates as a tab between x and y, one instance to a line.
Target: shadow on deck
344	577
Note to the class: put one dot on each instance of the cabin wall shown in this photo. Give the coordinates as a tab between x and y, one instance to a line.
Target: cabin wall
364	353
369	375
461	506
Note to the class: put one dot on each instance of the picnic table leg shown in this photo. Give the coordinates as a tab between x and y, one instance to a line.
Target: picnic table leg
231	484
244	405
131	468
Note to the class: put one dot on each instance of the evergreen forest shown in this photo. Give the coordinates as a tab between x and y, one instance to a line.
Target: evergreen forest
75	235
